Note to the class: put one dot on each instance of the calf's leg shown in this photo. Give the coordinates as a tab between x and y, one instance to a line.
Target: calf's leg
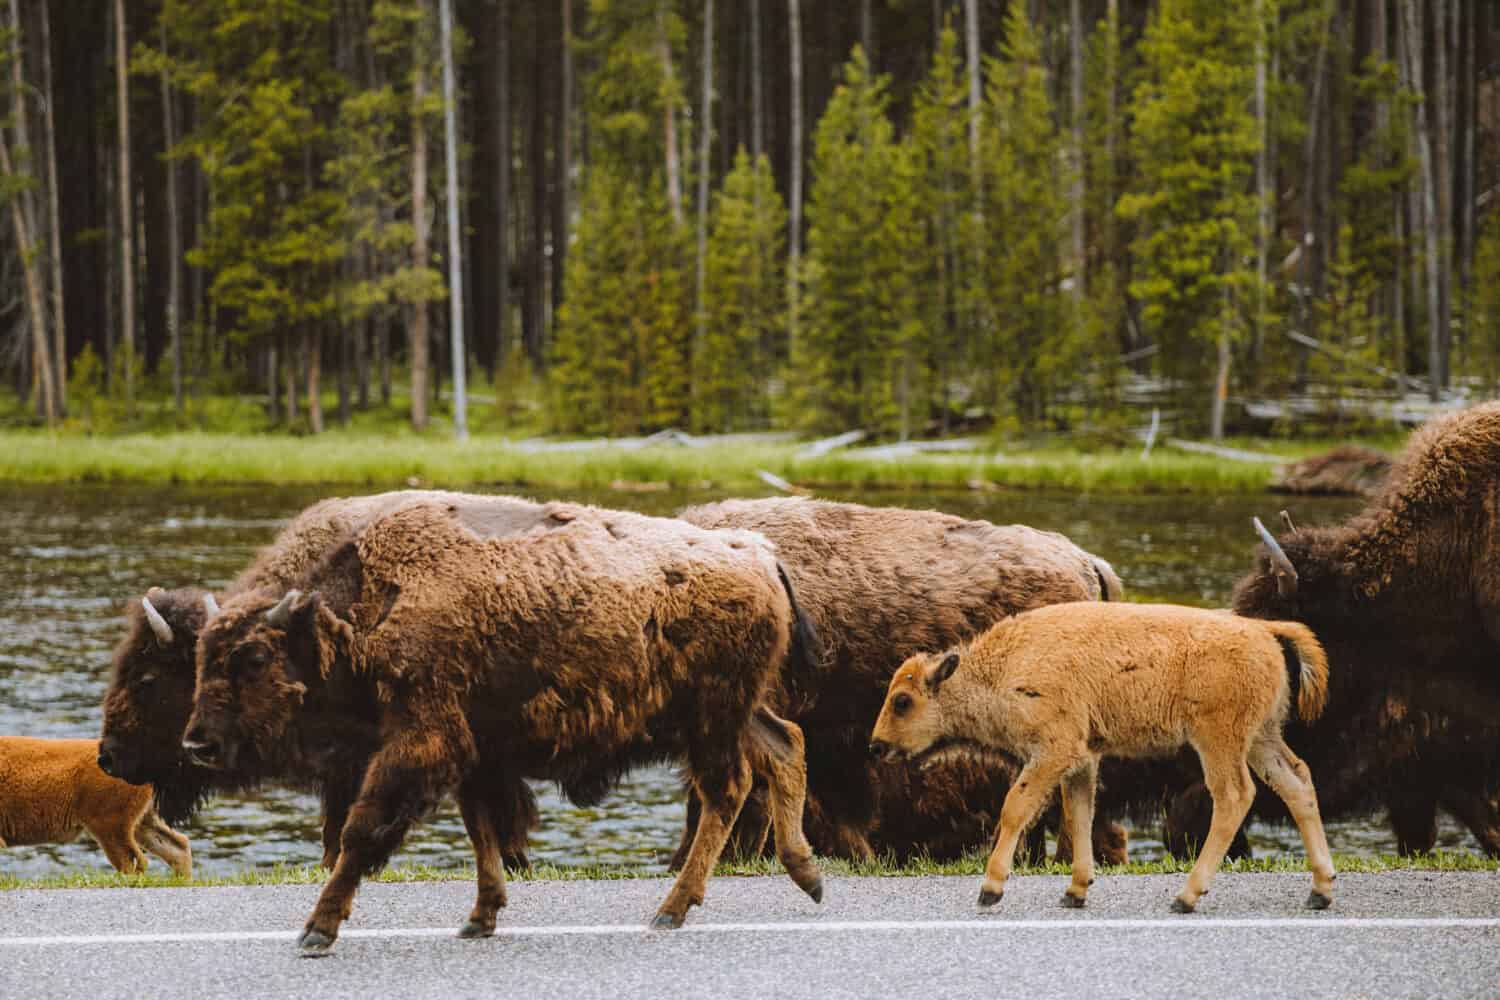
1290	778
1031	791
721	792
1228	780
1078	789
776	750
166	843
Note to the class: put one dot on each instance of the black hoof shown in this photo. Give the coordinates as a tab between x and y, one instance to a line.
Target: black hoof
314	943
665	922
1318	901
474	929
1182	906
988	899
1072	902
815	889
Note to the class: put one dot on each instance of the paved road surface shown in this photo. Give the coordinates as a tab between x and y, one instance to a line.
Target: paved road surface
1398	934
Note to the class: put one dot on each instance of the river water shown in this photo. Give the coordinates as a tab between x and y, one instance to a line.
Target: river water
71	556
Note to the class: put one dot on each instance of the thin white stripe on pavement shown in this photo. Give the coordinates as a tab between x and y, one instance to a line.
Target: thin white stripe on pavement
800	927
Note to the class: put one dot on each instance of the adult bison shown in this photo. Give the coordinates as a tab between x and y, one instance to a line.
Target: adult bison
880	585
1405	596
150	691
462	664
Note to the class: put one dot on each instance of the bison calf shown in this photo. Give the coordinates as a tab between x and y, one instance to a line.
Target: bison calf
52	790
1063	686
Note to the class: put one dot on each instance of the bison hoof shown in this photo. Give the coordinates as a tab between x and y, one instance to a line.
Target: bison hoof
1180	905
1073	902
814	888
474	929
988	899
314	943
666	922
1317	901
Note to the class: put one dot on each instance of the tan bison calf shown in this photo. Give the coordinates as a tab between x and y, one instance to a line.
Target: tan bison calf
1062	686
52	790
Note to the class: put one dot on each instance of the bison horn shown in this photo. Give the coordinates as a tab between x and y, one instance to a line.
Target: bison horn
280	615
1286	519
210	606
1286	573
157	622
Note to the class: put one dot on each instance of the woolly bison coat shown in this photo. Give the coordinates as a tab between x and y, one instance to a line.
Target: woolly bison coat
463	665
881	584
1405	596
150	691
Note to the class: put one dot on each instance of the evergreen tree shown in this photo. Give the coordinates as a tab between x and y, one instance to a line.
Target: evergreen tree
1482	350
745	301
860	347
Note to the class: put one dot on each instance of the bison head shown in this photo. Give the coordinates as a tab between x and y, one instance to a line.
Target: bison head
151	686
1301	576
911	723
257	662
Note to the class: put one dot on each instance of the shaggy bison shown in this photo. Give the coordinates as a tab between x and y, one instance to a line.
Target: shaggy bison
881	584
460	664
1405	596
1063	686
150	692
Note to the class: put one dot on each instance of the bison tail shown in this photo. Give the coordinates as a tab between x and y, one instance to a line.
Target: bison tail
1306	667
806	652
1110	587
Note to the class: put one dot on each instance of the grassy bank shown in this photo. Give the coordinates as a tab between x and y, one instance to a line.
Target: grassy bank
371	459
973	864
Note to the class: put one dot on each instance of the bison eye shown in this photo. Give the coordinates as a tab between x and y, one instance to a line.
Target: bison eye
145	680
250	657
901	704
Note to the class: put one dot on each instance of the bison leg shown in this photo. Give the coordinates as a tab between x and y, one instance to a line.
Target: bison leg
167	844
1025	800
689	828
490	896
514	824
1185	826
1480	814
753	828
1413	818
404	782
839	778
1078	790
1228	780
722	795
777	749
338	796
1289	778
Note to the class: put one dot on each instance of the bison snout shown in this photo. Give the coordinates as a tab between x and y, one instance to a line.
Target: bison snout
202	750
879	749
107	762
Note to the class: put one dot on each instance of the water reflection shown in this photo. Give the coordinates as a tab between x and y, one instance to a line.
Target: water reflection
72	556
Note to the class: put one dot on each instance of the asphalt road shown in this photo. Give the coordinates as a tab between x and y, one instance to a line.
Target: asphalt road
1398	934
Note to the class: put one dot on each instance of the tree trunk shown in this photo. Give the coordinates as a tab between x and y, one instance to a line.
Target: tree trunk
669	116
1262	180
564	166
704	135
1310	201
794	208
289	372
1221	389
174	235
502	196
1441	123
867	32
1412	45
757	90
54	238
1080	262
43	375
273	383
312	357
1468	117
455	253
127	225
417	329
976	102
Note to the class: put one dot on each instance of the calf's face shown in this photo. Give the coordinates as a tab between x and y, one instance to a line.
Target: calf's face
256	661
911	720
150	690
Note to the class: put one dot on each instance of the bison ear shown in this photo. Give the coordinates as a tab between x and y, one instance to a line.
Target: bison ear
942	672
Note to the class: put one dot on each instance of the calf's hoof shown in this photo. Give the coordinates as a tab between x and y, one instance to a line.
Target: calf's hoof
1073	902
988	899
474	929
1180	905
1317	901
314	943
666	922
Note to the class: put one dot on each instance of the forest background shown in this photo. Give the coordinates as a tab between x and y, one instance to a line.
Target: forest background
909	217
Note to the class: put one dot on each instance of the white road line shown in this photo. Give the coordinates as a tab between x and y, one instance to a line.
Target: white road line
799	927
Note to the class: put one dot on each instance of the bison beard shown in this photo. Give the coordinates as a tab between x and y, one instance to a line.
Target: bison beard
464	665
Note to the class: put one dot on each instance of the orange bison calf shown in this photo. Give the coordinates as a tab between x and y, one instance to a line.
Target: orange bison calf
1062	686
52	790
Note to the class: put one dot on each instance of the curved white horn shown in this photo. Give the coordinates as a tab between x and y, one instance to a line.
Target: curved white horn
210	606
157	622
1286	573
281	613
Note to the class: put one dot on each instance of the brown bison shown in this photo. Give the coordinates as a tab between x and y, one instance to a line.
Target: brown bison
1405	596
150	692
1063	686
459	664
882	584
53	790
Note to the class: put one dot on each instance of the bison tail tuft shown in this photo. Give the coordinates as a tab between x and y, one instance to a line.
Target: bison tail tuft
806	652
1306	667
1110	587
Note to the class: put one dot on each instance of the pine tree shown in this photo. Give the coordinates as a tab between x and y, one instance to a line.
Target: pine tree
860	348
745	301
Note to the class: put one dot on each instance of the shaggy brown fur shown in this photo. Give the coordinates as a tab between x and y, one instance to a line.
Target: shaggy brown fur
150	692
1405	596
881	584
1063	686
461	664
52	790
